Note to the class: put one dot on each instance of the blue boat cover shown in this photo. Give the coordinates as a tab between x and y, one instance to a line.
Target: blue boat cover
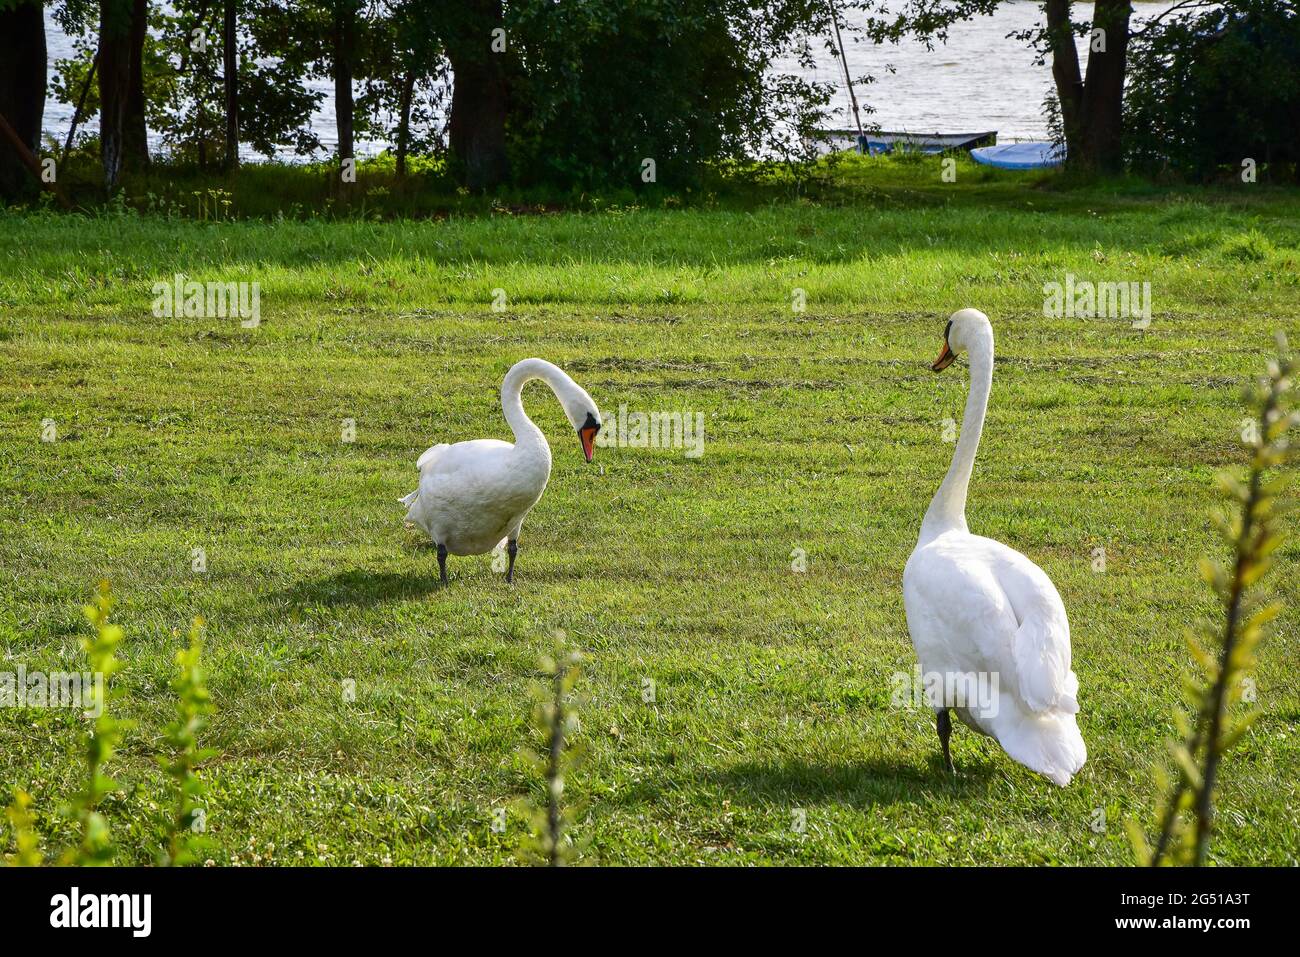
1020	155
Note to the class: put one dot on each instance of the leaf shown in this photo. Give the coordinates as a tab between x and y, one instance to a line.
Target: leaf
1183	759
1199	654
1141	849
1243	724
1230	485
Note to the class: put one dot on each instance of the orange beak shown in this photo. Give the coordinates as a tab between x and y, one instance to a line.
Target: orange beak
587	435
946	357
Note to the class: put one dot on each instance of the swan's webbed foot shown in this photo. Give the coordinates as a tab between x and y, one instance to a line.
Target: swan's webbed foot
512	549
442	564
943	723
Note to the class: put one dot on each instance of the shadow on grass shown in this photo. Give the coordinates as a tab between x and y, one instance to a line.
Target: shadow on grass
857	783
358	587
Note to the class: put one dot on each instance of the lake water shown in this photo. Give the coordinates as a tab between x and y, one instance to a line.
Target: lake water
980	80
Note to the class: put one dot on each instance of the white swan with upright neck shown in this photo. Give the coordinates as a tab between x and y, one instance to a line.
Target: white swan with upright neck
474	496
983	616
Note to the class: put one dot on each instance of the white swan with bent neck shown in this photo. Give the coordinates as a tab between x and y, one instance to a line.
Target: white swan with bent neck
474	496
979	609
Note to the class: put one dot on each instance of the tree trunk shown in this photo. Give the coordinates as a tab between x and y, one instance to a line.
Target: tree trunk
404	121
1102	130
114	84
230	68
1065	70
480	98
1092	109
345	13
22	88
135	134
80	108
477	127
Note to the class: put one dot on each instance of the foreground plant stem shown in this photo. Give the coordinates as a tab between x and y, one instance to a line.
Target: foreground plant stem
1253	538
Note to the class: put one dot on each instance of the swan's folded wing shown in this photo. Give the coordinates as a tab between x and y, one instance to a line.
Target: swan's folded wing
958	614
429	456
1012	611
1040	645
1042	655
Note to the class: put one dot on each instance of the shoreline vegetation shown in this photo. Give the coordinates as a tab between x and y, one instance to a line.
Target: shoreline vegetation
281	191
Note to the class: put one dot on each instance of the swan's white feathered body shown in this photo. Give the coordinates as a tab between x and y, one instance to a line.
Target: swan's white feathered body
474	496
976	607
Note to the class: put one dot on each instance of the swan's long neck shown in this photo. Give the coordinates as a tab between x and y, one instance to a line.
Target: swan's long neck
527	434
948	507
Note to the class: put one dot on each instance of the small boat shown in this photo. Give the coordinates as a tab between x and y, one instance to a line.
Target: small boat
1032	155
881	141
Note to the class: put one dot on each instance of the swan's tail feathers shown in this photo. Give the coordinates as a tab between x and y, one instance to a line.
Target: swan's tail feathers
1047	743
429	456
411	520
1041	652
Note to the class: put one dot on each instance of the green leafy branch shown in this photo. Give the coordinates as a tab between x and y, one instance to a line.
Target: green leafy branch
1224	651
555	718
28	853
96	845
193	705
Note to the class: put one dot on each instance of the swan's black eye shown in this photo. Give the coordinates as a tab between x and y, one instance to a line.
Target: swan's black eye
591	423
947	329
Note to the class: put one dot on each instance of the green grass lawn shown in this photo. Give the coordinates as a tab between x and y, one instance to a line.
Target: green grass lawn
823	432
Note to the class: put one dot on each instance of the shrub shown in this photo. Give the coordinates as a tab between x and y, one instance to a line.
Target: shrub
193	705
686	83
1211	89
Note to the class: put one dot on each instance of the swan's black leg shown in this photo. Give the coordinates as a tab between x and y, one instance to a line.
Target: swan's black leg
943	722
442	563
512	549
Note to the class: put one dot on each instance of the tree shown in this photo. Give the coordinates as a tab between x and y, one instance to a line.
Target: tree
317	38
230	78
474	34
1092	109
74	81
343	51
123	138
135	130
181	85
406	81
22	87
580	93
195	93
1091	105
